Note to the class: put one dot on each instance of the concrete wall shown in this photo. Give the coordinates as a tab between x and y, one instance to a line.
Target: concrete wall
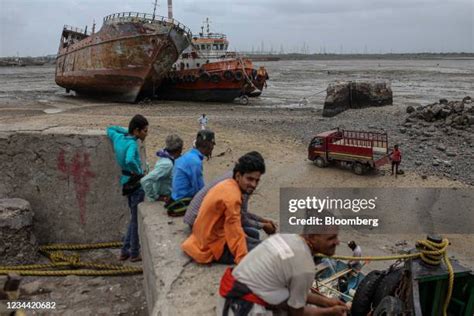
70	178
163	261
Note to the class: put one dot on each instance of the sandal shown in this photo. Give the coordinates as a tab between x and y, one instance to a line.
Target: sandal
124	256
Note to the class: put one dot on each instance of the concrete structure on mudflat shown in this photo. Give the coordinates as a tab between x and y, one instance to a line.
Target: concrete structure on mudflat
70	178
344	95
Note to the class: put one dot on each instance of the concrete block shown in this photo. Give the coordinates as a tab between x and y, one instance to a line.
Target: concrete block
356	94
18	244
163	260
71	179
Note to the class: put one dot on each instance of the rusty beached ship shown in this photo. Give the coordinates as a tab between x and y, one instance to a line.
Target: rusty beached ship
126	59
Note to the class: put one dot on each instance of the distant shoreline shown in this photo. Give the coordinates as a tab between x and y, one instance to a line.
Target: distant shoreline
51	59
426	56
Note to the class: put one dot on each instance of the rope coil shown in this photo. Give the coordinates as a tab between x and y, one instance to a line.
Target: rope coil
60	261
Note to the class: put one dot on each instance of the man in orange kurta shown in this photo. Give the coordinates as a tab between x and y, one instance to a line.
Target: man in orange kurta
217	232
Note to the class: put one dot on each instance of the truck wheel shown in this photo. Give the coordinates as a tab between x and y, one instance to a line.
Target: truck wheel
361	304
359	168
320	162
390	306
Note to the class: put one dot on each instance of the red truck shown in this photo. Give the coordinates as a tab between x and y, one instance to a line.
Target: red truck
362	150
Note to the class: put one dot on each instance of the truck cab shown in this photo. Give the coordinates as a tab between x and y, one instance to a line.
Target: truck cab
318	147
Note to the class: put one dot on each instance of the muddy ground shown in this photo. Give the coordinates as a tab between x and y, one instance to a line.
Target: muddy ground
277	126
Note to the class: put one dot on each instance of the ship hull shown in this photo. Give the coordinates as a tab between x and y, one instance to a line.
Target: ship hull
126	59
205	95
220	81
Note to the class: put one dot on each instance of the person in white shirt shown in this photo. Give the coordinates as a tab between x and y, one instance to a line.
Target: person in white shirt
278	275
203	121
356	252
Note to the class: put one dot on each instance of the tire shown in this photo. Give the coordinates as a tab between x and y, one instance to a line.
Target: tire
320	162
238	75
388	285
359	168
390	306
205	76
228	75
244	100
362	302
215	78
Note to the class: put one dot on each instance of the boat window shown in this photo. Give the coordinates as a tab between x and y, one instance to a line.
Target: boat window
209	46
203	46
197	47
222	46
197	64
215	46
187	65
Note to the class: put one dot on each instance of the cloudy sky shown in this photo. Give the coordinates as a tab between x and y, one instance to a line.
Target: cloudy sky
33	27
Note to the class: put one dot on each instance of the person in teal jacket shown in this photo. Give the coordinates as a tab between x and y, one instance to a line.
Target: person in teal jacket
127	155
157	184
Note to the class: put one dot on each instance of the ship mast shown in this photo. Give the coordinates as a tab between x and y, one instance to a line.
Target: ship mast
154	8
170	9
206	23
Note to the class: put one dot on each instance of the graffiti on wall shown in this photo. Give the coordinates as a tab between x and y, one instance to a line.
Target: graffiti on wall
78	168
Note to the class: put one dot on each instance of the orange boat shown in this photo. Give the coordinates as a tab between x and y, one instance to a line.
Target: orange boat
206	71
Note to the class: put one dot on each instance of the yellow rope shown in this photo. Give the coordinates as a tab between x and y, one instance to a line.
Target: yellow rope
61	261
429	252
83	272
81	246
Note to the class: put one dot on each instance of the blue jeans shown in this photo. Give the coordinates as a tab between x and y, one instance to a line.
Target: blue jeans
227	256
251	232
131	243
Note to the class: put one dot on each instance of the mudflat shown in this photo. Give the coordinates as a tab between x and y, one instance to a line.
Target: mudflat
279	125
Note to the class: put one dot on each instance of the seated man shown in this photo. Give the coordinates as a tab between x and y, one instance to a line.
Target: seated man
157	184
187	173
217	232
251	223
278	275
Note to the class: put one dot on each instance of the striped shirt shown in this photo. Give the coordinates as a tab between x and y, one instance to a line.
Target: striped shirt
248	219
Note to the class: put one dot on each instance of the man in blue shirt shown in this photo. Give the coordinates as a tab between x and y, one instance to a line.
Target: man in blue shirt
187	173
128	157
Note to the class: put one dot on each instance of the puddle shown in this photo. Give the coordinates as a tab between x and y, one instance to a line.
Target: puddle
52	111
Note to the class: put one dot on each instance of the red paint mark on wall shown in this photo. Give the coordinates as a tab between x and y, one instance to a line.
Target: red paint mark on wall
79	169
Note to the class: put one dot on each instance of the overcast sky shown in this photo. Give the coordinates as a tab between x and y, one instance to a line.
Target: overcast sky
33	27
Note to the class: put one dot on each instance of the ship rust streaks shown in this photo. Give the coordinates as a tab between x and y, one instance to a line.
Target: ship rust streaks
128	57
